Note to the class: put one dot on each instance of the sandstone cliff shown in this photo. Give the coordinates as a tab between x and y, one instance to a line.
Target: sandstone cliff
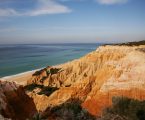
93	79
14	103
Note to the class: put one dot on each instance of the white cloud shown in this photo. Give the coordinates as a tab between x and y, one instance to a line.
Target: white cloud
110	2
43	7
48	7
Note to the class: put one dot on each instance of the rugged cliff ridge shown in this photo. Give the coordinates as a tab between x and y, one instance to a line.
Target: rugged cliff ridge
14	103
81	89
93	79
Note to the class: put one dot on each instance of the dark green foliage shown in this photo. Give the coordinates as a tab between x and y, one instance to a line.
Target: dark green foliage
74	106
48	70
43	79
126	109
36	117
53	71
38	72
70	110
47	90
121	104
140	114
136	43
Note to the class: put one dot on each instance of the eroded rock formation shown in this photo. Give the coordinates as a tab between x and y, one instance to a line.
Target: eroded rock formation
14	103
93	79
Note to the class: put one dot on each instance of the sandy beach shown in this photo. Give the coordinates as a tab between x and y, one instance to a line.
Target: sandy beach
20	78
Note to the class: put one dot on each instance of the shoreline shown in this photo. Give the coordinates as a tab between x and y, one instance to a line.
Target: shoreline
31	71
18	74
20	78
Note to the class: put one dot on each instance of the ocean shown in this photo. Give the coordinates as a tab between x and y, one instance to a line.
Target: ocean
15	59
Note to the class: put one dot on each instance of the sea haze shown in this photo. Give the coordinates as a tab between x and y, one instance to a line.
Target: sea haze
16	59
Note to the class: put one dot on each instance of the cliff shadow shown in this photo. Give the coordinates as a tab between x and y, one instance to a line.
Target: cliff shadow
43	90
19	106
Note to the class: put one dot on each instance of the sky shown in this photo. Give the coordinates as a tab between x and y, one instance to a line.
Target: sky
71	21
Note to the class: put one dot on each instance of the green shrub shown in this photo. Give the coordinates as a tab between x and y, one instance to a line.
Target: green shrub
46	90
70	110
53	71
126	108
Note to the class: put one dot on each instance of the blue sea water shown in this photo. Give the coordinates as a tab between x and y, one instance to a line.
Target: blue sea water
16	59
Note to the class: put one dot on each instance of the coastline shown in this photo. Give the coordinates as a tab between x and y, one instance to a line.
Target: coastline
20	78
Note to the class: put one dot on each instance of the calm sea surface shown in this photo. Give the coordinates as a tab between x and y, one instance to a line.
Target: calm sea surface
15	59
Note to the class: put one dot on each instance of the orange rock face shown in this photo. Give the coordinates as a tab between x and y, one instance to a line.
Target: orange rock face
94	79
97	104
14	103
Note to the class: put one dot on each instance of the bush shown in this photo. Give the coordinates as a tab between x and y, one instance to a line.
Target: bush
126	108
46	90
53	71
71	110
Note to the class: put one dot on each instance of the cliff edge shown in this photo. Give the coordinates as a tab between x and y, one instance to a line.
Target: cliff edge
82	88
15	103
111	70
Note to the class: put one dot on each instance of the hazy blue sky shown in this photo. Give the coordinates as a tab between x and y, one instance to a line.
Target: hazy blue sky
56	21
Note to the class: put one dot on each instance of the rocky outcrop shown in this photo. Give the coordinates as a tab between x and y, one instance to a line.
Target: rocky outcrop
14	103
94	79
